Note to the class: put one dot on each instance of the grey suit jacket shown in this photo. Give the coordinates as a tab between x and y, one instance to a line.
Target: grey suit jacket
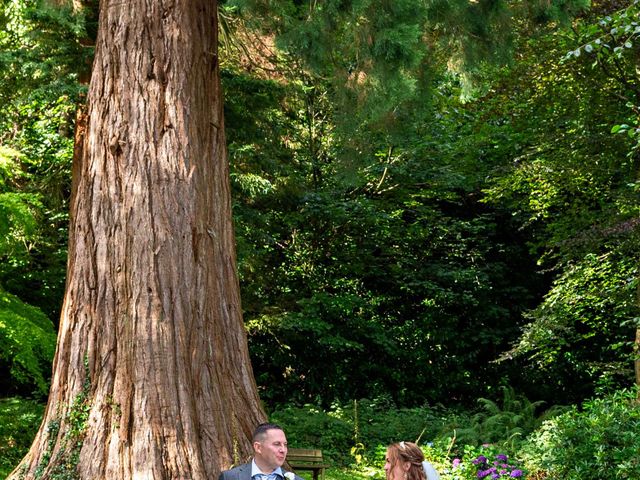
243	472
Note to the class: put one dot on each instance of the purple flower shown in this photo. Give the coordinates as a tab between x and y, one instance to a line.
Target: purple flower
483	473
495	475
502	457
516	473
456	462
479	460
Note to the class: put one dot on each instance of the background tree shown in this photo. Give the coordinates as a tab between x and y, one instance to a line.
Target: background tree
151	374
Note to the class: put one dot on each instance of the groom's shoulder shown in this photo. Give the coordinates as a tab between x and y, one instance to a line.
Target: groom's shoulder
234	472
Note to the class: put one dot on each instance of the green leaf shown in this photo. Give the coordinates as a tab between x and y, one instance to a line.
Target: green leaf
619	128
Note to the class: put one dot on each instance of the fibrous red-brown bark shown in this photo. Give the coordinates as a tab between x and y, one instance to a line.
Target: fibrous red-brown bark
151	344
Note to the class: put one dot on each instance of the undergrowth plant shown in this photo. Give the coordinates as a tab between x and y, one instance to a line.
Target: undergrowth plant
352	433
19	421
601	440
505	423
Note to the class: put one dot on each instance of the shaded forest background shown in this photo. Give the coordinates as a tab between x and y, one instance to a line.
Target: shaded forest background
433	200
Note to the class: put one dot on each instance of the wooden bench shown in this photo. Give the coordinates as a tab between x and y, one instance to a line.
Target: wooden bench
307	459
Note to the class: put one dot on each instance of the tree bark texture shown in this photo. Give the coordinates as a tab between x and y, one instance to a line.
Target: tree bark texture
151	377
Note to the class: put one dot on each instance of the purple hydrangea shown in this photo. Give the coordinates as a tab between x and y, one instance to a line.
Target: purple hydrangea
456	462
479	460
496	469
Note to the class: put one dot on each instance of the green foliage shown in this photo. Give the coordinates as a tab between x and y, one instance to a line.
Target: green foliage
365	428
43	53
18	223
385	278
27	344
309	427
389	258
45	49
586	323
378	245
600	440
568	174
381	423
384	253
378	60
611	44
349	474
19	421
571	186
602	436
505	424
365	424
18	211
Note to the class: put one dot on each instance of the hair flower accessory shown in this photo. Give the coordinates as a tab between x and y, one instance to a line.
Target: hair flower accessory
290	476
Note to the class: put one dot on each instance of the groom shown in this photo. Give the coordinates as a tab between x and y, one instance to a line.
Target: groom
269	453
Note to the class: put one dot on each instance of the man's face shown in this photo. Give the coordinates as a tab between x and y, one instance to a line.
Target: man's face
271	450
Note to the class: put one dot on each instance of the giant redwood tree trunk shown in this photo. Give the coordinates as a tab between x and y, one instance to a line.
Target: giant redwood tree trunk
151	377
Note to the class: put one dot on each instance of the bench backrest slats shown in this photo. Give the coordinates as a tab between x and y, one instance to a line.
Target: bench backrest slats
304	455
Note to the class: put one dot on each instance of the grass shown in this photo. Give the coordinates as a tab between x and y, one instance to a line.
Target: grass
366	473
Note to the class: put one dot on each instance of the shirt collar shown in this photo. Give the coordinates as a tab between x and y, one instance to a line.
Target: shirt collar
256	471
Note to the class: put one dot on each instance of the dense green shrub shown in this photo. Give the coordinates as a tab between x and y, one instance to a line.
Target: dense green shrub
19	421
358	428
308	427
460	444
505	423
600	441
27	344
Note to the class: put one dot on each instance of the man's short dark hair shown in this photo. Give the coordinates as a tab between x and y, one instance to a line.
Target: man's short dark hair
262	429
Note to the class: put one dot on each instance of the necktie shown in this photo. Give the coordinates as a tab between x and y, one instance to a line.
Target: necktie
264	476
